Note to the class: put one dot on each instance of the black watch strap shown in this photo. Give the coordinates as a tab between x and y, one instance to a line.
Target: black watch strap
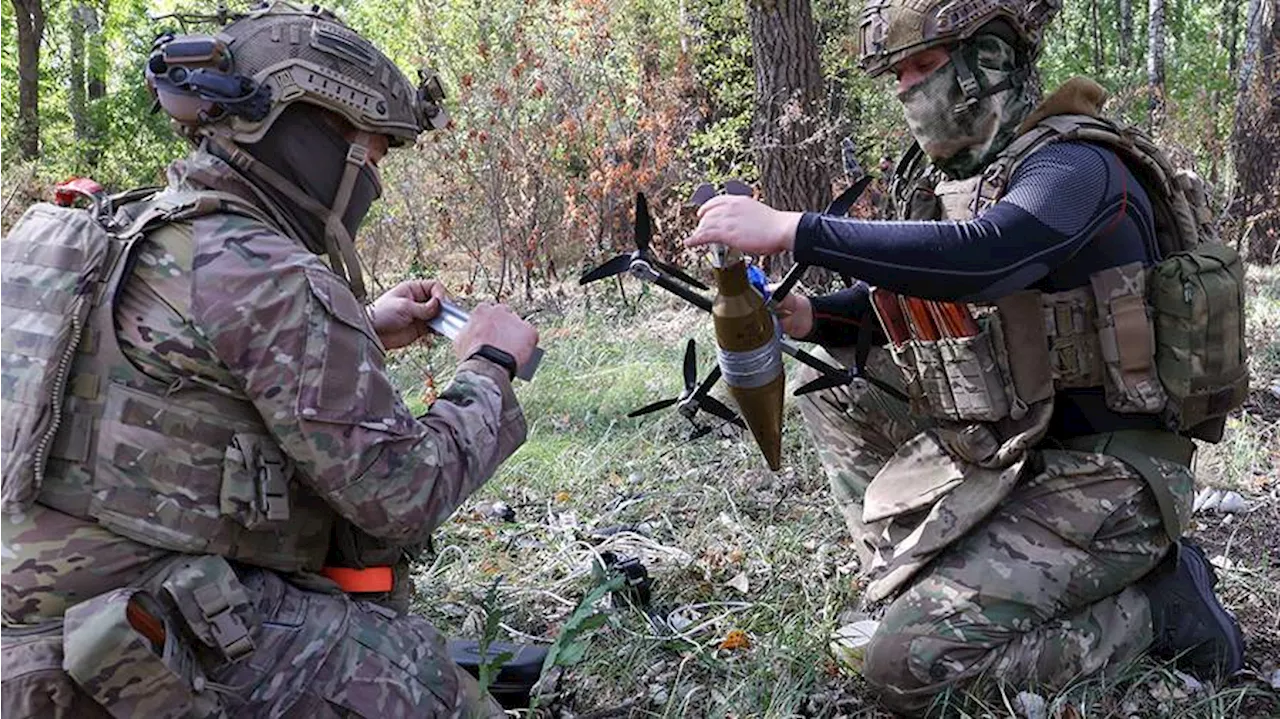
498	357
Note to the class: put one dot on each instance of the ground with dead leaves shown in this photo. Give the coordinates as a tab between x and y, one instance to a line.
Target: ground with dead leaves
751	571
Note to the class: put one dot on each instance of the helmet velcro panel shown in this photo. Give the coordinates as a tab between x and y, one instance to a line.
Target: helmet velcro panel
893	29
309	56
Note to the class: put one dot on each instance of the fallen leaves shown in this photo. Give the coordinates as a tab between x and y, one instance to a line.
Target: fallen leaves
735	639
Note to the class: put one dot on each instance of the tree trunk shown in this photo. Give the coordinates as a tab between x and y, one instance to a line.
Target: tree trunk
1126	31
96	67
790	133
29	16
1231	33
1096	31
1257	135
1155	64
75	82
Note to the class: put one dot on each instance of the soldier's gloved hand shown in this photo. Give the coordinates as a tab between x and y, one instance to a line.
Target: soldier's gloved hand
745	224
496	325
795	312
399	316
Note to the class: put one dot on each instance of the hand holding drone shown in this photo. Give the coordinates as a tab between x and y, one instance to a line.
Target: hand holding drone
748	336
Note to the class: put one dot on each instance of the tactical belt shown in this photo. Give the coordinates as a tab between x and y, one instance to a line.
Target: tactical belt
1137	448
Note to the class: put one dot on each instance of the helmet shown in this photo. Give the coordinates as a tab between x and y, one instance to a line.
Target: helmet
893	29
227	91
244	77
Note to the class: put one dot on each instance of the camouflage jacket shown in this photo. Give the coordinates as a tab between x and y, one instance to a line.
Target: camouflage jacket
230	311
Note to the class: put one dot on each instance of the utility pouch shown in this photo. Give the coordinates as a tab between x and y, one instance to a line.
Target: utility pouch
1018	326
1198	301
955	378
904	357
214	605
55	259
255	481
935	387
123	649
977	387
1126	338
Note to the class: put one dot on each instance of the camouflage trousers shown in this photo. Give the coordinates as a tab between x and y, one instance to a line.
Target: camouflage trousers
1038	593
312	654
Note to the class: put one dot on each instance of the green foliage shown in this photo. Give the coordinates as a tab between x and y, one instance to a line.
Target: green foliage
571	643
490	666
564	108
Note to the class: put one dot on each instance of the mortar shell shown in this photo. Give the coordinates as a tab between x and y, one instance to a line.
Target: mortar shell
750	358
761	408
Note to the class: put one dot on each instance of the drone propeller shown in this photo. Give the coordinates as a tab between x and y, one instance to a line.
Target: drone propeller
660	404
821	383
703	194
643	239
695	394
844	201
615	266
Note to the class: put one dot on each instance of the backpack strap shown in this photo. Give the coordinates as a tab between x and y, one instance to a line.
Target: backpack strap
1177	228
167	207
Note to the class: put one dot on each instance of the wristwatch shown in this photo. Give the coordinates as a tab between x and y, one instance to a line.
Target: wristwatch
499	357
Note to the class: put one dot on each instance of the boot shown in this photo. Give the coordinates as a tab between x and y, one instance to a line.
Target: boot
1190	625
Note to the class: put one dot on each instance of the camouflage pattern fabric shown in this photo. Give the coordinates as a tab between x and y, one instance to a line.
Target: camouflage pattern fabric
1037	594
315	654
962	144
856	429
223	311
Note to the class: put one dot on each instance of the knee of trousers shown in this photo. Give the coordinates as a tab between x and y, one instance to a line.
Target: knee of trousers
887	663
911	671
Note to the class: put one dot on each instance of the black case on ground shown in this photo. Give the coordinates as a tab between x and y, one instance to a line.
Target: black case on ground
518	674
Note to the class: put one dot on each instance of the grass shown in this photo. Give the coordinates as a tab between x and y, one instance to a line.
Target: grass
704	516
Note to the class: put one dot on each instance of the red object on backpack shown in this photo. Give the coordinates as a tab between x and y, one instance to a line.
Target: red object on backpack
65	194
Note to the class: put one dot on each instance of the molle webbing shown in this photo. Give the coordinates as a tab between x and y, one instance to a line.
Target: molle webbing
175	465
55	262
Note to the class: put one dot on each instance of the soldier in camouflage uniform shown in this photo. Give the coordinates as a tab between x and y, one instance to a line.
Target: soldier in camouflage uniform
228	428
1027	548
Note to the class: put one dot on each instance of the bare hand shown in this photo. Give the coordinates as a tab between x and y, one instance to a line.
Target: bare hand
496	325
400	315
795	312
745	224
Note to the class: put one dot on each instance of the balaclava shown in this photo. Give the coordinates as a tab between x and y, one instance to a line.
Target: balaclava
310	152
961	136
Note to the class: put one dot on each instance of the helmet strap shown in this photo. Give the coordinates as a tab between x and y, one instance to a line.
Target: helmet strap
338	242
969	85
341	246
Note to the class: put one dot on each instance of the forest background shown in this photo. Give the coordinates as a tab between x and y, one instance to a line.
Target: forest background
563	110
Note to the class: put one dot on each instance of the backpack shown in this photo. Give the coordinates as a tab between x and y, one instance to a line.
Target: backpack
59	262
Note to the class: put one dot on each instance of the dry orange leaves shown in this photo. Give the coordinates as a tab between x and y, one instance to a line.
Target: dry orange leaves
735	639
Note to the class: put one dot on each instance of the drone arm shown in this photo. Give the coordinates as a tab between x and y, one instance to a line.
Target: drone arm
788	282
805	358
648	273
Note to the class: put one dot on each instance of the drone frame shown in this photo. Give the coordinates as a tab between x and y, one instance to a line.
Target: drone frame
643	265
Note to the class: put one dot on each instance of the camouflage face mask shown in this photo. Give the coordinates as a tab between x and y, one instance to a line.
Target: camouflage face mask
961	143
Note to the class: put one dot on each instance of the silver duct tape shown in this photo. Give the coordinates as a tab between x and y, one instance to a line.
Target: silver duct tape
753	368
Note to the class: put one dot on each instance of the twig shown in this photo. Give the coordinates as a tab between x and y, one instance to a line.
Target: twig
620	710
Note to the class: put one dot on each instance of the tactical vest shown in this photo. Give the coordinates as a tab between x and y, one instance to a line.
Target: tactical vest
181	466
1160	340
1166	340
